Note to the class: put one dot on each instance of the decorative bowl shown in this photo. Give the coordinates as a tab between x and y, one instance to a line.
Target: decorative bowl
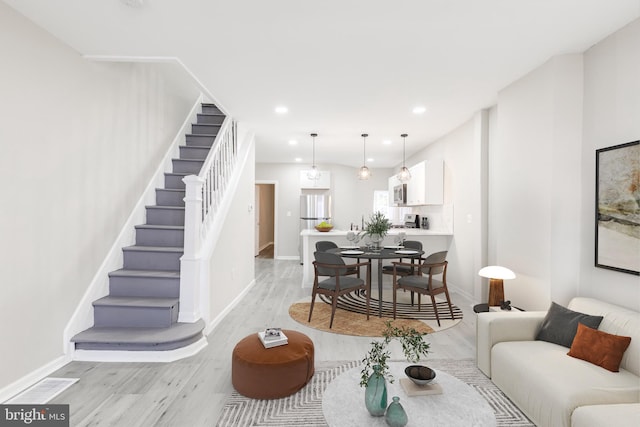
323	229
419	374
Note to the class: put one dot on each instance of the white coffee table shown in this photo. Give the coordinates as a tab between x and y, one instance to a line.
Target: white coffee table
458	405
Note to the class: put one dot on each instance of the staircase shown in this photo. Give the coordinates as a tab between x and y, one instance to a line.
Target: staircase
141	311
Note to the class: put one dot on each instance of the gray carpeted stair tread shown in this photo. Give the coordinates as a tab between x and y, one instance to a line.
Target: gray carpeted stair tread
139	335
189	160
103	338
171	190
177	208
123	272
197	147
154	248
160	227
147	302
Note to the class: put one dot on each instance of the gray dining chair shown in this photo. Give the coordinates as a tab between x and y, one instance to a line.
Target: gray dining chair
325	245
423	282
404	270
338	282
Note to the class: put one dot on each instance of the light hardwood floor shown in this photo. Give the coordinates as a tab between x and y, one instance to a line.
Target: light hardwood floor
193	391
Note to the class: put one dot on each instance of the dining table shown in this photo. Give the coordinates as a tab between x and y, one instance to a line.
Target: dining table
387	252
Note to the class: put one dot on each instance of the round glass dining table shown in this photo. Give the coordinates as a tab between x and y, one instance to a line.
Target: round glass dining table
380	255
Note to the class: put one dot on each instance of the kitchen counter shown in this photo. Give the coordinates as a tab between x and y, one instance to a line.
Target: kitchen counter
391	232
432	241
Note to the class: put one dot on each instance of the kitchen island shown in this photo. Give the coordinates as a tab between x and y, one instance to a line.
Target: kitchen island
432	241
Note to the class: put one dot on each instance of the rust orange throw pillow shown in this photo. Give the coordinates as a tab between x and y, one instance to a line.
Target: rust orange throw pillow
599	348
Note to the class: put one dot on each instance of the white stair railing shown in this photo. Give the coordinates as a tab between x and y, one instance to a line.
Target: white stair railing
203	195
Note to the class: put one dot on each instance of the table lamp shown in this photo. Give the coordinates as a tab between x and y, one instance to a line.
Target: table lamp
496	275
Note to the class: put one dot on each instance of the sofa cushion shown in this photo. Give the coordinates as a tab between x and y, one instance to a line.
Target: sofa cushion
619	321
599	348
548	385
622	415
560	325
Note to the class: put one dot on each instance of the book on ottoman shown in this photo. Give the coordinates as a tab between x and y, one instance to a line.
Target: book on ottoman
272	337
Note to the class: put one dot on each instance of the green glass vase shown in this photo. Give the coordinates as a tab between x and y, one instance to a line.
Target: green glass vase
395	415
375	393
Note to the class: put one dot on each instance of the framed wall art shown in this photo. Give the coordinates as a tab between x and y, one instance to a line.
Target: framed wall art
618	208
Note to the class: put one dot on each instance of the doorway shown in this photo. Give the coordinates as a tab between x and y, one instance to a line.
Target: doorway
265	220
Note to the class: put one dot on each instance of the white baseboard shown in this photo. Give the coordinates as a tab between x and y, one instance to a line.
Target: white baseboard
30	379
228	308
288	257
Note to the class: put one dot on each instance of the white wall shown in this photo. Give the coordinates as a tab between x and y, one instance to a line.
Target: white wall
611	117
542	171
534	174
231	267
461	151
351	199
78	144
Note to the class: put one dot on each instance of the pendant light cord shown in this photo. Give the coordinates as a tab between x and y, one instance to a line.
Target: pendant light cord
404	148
364	149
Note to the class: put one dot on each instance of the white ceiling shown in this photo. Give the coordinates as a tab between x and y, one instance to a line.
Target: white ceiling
342	67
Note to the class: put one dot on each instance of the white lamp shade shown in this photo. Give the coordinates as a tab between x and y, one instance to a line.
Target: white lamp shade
497	272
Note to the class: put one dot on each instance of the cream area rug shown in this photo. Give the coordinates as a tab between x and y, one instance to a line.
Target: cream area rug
351	319
304	408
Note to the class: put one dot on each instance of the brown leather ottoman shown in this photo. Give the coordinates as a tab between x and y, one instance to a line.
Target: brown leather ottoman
272	373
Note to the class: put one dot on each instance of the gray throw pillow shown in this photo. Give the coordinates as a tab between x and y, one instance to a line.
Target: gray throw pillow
561	324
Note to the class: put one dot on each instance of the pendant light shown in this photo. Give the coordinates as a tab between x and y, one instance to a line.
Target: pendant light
313	174
404	175
364	172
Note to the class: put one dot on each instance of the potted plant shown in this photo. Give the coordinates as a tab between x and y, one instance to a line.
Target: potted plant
375	369
376	228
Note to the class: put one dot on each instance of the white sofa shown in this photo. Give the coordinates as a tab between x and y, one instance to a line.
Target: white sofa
552	388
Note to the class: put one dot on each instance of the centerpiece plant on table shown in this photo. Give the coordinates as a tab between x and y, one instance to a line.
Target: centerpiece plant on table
375	367
377	227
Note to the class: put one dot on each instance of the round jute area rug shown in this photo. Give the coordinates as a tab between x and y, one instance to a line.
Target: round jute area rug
348	322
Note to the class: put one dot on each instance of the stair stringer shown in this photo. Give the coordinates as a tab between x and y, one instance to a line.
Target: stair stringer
83	317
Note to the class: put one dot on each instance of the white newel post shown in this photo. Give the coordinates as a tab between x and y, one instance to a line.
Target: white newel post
190	261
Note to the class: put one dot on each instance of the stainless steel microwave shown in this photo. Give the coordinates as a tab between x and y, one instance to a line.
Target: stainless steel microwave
400	194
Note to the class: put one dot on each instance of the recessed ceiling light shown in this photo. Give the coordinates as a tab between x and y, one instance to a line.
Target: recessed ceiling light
298	159
419	110
281	109
387	142
370	160
293	142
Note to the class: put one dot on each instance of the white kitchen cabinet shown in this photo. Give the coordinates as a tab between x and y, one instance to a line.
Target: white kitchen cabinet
434	182
426	186
416	185
322	183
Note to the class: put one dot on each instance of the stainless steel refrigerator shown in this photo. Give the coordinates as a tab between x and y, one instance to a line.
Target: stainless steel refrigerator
314	208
